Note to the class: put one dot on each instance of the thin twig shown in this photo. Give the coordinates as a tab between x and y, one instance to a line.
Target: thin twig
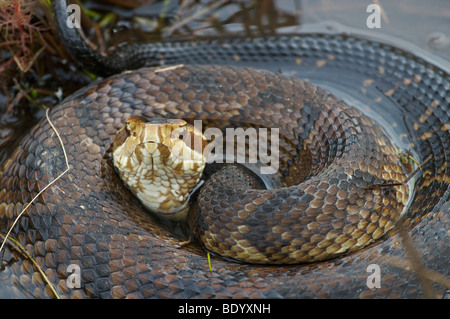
419	167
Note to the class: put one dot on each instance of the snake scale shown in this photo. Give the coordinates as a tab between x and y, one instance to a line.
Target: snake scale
90	219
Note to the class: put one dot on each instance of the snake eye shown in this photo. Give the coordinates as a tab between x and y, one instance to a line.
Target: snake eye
182	134
179	133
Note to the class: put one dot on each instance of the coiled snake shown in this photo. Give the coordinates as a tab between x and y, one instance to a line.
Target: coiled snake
90	219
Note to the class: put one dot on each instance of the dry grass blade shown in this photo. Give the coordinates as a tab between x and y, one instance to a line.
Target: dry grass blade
406	180
383	13
38	194
209	262
23	250
169	68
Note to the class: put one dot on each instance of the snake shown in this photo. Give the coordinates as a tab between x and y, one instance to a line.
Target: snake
161	161
89	218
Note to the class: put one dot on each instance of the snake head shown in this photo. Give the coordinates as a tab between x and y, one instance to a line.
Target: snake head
161	161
